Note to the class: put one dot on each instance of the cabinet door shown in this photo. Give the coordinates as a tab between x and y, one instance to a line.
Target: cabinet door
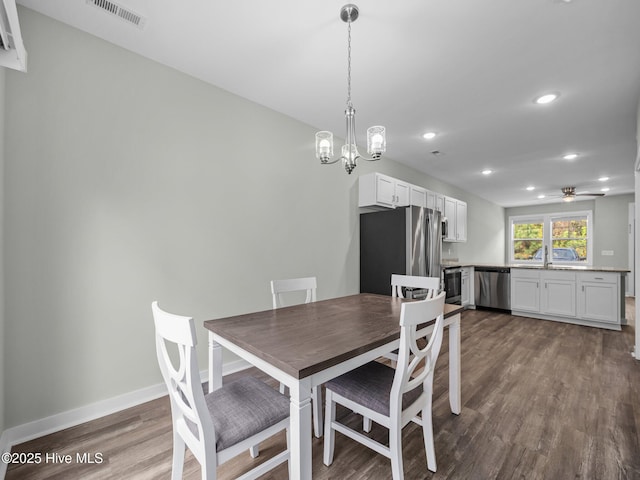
440	203
418	196
450	214
525	294
385	190
465	293
431	200
598	301
402	194
461	221
558	297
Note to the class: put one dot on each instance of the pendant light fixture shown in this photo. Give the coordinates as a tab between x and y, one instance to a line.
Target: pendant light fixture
376	141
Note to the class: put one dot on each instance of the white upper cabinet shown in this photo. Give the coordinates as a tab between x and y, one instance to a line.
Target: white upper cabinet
376	189
455	211
417	196
435	201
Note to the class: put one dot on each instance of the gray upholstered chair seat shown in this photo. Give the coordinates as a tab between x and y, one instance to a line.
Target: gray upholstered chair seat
370	386
243	408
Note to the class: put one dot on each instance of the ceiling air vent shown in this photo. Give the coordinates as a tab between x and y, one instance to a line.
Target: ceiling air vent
119	11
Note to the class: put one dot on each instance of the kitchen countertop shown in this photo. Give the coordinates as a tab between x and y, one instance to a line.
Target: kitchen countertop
580	268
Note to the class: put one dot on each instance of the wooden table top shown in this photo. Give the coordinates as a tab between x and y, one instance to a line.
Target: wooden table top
305	339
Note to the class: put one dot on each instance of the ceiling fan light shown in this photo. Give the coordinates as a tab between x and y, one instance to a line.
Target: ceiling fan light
567	198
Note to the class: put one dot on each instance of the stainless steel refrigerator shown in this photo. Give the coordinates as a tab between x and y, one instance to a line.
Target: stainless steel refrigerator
407	241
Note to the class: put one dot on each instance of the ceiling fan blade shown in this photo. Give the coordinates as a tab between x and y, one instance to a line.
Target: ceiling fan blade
589	194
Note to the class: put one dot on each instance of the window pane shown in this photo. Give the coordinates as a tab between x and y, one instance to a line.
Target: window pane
570	228
527	249
527	230
570	250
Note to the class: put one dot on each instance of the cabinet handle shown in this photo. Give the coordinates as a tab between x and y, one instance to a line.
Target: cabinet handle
583	288
599	278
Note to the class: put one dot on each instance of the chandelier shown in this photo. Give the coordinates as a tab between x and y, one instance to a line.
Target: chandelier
376	142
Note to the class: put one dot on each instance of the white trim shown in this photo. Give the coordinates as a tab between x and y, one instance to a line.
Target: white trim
71	418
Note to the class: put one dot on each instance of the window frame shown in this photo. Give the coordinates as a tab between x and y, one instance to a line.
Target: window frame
547	219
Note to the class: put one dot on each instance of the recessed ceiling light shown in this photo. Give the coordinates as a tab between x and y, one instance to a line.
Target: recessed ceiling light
605	189
531	187
570	156
547	98
487	172
429	135
603	179
540	196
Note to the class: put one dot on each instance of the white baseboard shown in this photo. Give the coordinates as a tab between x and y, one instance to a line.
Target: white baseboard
71	418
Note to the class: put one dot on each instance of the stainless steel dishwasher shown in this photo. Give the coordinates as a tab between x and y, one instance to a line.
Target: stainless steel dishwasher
492	287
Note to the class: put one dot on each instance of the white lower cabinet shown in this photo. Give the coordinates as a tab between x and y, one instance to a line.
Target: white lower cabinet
598	297
586	298
466	294
558	293
525	290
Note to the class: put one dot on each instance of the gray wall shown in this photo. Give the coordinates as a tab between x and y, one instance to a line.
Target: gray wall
610	221
128	182
2	335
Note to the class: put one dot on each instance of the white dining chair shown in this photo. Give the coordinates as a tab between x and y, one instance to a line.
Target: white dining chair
220	425
398	282
289	285
392	397
431	284
278	290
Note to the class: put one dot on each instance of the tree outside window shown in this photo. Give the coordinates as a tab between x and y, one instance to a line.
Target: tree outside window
569	239
527	239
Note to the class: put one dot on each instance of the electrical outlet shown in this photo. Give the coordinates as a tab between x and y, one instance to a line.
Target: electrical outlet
607	253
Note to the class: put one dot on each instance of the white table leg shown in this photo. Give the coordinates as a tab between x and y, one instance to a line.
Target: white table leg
300	445
455	396
215	364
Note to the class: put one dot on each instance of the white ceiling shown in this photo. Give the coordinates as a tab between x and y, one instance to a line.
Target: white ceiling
467	69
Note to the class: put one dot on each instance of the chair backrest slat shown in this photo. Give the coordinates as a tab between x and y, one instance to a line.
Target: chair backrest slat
432	284
278	287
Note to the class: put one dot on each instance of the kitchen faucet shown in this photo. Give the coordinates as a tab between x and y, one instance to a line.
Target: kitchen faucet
546	257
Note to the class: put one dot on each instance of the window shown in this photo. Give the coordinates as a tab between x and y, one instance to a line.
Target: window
567	238
527	238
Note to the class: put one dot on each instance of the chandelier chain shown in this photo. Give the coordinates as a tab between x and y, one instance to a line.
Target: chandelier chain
349	64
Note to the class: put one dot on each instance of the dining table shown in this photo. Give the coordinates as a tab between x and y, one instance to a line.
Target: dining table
304	346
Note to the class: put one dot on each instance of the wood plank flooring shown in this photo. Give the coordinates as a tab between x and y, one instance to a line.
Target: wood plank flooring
541	400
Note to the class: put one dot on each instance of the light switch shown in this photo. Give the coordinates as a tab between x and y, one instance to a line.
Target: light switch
607	253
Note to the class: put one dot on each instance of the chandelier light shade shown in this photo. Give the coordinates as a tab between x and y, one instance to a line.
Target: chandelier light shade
376	140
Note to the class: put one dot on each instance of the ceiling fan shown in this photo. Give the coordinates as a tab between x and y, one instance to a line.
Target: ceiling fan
569	194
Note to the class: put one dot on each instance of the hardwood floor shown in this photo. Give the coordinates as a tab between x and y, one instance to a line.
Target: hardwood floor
541	400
